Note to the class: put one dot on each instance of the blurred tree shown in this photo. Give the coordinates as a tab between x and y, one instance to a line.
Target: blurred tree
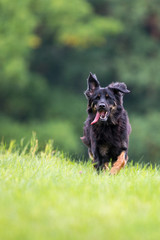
27	25
17	24
74	23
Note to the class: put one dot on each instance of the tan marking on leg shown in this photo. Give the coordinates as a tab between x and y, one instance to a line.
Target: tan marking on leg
120	163
91	156
106	166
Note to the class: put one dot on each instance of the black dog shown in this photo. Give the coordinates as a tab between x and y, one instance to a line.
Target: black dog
107	128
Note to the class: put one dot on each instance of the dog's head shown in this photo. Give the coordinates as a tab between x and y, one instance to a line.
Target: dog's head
104	103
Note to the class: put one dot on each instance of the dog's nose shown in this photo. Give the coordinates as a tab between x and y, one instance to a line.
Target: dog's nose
102	105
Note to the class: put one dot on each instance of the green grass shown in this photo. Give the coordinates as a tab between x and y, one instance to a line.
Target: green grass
47	196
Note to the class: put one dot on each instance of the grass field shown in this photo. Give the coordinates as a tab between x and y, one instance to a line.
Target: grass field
47	196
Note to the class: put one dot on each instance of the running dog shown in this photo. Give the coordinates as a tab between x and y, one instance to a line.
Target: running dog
107	128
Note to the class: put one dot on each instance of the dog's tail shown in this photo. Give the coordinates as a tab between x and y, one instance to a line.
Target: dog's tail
85	141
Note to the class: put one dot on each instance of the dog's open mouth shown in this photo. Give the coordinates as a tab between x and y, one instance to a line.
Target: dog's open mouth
102	115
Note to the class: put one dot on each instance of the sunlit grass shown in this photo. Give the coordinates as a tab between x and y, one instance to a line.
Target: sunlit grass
45	195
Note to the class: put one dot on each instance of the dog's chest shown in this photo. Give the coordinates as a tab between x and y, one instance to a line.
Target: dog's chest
106	135
106	139
103	149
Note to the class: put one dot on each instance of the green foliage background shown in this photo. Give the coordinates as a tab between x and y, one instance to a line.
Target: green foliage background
48	48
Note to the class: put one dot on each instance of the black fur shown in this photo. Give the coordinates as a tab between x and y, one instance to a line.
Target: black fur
109	136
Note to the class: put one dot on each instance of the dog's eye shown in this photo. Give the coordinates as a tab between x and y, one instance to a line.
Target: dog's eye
107	95
98	97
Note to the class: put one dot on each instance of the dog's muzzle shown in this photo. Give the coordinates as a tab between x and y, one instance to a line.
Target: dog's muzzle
101	115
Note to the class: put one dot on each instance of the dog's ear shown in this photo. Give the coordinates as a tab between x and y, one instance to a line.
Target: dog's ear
119	87
93	84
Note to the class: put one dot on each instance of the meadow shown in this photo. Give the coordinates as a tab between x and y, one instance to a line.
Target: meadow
46	195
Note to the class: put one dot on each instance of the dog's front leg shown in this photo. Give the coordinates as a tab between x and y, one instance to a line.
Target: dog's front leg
96	162
95	158
120	163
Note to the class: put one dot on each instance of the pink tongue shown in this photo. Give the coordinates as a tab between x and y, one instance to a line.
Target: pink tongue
96	118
